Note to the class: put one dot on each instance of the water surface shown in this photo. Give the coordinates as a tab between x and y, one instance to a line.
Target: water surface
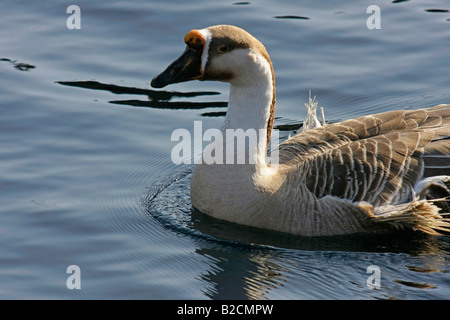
86	176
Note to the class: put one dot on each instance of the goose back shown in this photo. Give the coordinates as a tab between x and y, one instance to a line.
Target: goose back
377	158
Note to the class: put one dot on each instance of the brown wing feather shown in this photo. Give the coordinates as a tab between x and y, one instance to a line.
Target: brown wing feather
377	158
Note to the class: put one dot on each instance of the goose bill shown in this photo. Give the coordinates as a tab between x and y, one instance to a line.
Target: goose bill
187	67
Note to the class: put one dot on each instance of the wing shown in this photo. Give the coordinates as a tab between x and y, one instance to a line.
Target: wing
377	158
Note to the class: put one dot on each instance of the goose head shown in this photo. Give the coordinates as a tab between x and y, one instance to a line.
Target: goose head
218	53
230	54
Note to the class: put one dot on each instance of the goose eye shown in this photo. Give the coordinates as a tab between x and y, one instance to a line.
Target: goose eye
223	49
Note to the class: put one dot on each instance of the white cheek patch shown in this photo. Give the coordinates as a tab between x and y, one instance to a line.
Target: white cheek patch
207	36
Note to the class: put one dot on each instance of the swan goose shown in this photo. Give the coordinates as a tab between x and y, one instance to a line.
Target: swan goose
366	175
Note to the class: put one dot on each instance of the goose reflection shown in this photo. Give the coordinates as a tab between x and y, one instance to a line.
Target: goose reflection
249	263
162	100
256	272
19	65
399	242
155	99
241	274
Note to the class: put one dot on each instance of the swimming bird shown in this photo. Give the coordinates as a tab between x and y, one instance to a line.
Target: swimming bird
375	173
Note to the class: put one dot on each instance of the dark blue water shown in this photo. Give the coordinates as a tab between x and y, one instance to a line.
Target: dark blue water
86	176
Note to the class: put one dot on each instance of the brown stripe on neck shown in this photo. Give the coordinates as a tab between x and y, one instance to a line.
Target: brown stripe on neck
240	38
263	51
271	120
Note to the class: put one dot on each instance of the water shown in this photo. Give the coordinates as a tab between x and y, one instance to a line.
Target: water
85	172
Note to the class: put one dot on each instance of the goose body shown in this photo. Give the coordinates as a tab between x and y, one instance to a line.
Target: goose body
370	174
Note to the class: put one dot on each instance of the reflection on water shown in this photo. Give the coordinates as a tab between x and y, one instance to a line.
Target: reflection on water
156	99
161	100
416	284
291	17
19	65
255	272
436	10
214	114
241	274
245	263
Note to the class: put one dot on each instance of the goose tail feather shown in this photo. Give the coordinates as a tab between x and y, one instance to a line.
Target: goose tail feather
418	215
